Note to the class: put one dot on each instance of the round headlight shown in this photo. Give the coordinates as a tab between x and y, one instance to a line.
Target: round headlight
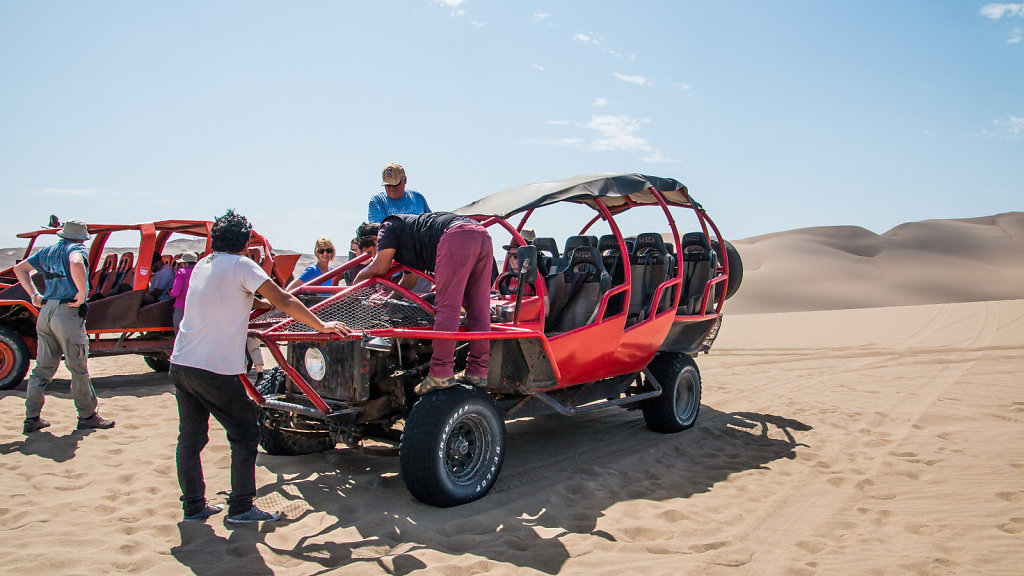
316	365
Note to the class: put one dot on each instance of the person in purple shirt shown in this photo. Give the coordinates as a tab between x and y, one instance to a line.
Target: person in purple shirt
180	287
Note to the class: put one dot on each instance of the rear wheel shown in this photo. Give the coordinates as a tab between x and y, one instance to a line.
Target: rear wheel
452	447
13	359
677	407
158	363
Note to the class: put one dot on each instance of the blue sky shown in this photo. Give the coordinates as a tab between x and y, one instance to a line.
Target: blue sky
777	115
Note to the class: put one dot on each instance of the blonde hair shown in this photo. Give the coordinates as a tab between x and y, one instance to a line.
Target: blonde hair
324	242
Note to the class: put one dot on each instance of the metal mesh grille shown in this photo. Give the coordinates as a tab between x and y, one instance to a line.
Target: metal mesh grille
276	315
269	318
372	307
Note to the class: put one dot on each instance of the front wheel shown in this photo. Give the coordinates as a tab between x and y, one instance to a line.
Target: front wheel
452	447
279	441
13	359
677	407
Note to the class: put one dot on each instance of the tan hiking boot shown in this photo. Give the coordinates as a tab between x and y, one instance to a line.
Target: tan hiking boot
434	383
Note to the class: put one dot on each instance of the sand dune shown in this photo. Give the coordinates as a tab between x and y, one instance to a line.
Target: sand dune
878	440
837	267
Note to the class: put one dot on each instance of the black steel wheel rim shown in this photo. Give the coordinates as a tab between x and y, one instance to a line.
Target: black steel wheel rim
466	448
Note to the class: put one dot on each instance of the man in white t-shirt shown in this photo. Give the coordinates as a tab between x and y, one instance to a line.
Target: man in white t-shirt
209	355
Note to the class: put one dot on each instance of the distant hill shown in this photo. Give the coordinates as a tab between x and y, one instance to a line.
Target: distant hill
837	267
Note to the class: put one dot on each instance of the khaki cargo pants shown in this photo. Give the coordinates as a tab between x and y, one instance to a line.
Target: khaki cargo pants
61	331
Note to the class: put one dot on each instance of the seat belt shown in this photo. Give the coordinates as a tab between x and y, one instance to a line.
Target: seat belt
574	288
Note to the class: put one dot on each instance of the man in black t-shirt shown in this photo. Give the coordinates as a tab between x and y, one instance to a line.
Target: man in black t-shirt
458	251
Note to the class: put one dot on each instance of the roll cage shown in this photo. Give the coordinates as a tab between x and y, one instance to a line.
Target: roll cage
614	343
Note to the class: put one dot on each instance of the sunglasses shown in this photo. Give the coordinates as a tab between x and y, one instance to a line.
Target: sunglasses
325	251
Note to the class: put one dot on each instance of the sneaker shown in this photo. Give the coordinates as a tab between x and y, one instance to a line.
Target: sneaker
94	421
477	381
434	383
206	512
34	425
253	515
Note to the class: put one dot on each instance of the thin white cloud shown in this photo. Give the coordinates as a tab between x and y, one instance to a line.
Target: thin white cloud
634	79
1012	128
478	24
456	11
596	41
656	158
997	11
680	86
564	142
599	102
541	16
617	133
537	67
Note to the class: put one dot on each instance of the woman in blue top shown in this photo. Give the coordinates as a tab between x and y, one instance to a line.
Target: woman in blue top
324	252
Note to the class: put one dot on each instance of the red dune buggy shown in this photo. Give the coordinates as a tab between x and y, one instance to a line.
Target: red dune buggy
610	316
120	320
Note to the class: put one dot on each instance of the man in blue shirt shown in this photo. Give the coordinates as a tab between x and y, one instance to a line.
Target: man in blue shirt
395	199
60	327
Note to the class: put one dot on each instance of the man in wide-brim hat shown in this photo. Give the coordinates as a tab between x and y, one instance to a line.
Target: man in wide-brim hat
60	326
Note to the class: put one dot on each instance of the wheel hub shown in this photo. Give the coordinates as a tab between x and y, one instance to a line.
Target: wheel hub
465	449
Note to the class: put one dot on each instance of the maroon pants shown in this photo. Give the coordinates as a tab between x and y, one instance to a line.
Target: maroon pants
463	275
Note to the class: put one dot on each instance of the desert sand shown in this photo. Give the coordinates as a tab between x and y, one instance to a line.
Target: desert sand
863	413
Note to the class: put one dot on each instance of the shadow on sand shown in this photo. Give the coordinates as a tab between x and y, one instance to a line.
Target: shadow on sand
559	477
205	553
47	445
138	385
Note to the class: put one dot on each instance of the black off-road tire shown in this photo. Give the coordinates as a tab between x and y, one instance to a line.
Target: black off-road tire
274	382
13	359
677	407
278	442
452	447
735	267
158	363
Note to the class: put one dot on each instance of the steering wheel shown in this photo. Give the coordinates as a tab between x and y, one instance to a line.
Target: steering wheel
504	281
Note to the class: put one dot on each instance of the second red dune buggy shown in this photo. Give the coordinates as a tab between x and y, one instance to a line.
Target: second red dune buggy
612	315
120	319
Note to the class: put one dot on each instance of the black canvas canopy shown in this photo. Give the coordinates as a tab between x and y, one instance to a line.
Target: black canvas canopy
613	189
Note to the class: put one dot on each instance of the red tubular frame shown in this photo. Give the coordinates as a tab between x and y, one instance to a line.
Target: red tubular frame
611	349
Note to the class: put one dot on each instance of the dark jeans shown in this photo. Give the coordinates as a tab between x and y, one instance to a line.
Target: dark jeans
201	393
